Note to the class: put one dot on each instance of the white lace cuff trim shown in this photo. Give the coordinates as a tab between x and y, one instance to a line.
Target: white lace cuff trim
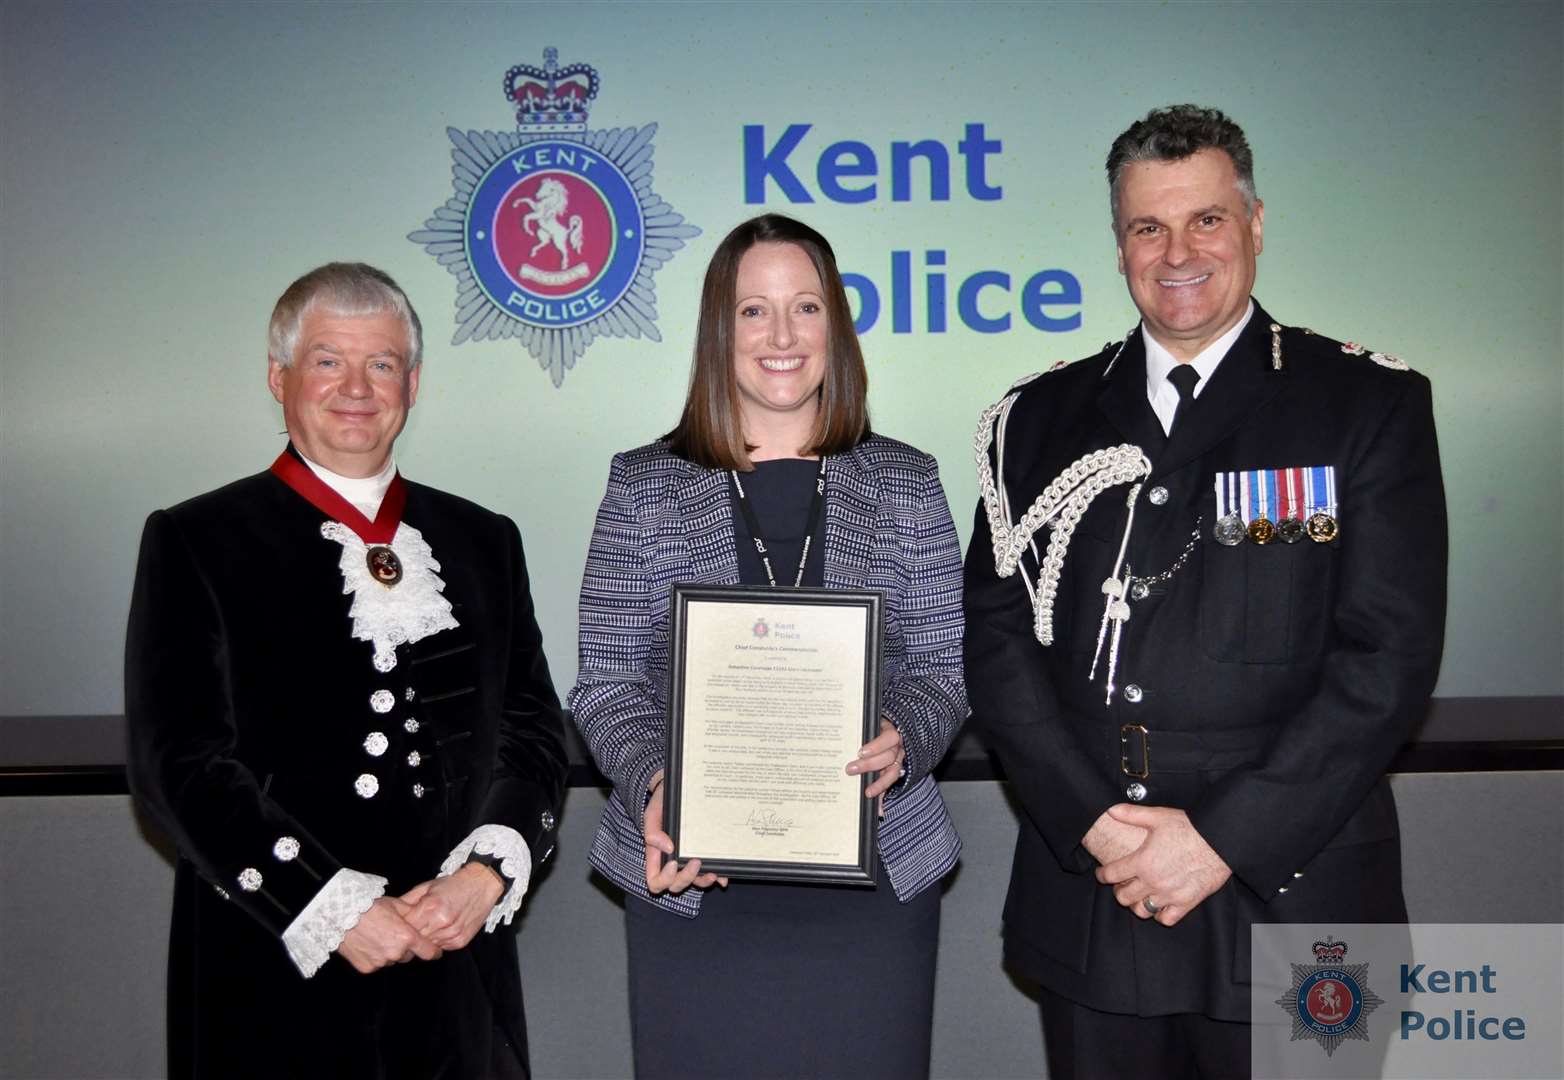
515	863
325	921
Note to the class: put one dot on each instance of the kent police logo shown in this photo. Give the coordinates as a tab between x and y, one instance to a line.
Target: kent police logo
1329	1001
553	232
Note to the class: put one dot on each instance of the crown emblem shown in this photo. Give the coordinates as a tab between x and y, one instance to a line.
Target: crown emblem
1330	951
551	98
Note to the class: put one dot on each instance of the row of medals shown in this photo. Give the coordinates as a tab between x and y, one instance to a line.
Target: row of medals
1321	528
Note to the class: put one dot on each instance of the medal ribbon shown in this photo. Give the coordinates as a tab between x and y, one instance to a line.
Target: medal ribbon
302	479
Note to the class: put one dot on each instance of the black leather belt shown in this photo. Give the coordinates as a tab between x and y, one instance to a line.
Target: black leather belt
1186	751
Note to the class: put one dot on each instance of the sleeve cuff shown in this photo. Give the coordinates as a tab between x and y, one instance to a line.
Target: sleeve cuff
312	937
515	857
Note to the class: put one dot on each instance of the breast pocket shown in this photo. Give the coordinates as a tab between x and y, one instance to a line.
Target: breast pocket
1265	603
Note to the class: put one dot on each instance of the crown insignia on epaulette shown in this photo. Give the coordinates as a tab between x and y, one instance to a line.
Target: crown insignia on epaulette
1394	363
551	98
1330	951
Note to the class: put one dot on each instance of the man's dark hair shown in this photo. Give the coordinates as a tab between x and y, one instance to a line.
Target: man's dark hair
1173	134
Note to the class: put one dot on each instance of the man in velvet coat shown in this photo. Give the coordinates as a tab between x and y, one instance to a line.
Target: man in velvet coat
340	711
1197	671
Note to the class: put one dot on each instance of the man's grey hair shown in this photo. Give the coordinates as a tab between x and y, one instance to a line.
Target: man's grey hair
1173	134
350	289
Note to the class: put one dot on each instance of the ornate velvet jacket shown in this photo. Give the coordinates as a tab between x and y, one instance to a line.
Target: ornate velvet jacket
275	753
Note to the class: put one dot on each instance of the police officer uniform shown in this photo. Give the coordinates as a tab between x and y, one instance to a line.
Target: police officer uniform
1263	687
301	772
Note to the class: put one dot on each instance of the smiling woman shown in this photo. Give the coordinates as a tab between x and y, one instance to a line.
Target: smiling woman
772	297
777	395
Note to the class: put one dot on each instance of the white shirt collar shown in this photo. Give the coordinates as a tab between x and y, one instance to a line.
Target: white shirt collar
1162	394
365	493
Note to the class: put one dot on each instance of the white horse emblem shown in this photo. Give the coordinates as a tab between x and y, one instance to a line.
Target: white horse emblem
544	222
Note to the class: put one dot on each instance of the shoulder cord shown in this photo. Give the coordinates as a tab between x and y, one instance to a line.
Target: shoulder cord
1060	506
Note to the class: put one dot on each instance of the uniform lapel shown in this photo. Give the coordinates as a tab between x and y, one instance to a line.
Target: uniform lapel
852	498
1123	400
1241	384
707	517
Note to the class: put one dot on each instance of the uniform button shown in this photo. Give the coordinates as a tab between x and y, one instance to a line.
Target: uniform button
415	759
547	820
1139	590
1297	873
418	791
546	854
366	786
1282	889
408	693
286	849
1157	495
249	879
375	743
1133	693
410	726
382	700
1136	792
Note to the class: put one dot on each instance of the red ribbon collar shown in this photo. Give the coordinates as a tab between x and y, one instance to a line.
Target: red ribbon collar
302	479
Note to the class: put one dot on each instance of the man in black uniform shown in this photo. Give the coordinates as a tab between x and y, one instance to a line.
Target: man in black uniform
1205	607
340	711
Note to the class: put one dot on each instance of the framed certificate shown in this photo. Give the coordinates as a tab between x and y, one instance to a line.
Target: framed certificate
771	693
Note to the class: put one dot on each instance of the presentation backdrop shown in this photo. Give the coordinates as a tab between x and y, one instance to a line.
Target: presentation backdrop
167	169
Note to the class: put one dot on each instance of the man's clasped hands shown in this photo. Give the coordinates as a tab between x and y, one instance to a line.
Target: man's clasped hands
424	922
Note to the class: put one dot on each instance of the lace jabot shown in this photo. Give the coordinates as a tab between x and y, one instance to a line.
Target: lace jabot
411	610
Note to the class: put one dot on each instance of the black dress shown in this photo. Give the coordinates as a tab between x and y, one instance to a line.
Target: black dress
774	980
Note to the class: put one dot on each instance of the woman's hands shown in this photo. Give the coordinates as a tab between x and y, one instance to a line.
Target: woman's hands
669	876
884	755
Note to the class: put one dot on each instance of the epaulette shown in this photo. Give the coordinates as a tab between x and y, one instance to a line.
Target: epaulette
1352	348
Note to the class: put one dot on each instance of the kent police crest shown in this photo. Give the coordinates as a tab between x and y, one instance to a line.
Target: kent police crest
1329	1001
553	231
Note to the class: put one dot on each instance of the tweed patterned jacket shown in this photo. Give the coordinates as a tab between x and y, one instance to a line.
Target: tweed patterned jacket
666	520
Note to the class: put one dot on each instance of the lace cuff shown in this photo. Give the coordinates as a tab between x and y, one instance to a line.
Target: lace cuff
326	920
515	863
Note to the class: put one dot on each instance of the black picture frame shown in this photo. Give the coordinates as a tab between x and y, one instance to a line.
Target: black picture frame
862	870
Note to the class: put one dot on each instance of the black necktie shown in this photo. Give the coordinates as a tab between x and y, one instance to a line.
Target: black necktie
1183	377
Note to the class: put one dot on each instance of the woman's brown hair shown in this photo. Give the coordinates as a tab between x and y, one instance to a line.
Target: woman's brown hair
711	431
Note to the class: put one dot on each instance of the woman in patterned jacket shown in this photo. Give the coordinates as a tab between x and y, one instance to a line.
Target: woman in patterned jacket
765	978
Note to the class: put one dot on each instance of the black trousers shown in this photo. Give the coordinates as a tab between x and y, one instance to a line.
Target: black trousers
784	981
1085	1044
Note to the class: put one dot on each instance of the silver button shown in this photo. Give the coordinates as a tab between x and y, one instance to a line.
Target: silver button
382	700
286	849
1136	792
418	791
375	743
1282	889
1157	495
1139	590
249	879
410	726
366	786
408	693
415	759
548	820
1133	693
1297	873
